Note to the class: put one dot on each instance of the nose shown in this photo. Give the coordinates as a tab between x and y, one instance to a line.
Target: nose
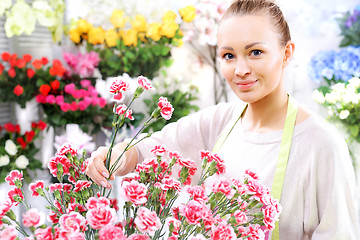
242	68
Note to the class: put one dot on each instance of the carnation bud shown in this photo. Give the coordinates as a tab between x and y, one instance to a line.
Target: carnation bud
138	92
18	183
11	215
156	113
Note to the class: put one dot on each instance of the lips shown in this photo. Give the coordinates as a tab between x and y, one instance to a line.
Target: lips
246	84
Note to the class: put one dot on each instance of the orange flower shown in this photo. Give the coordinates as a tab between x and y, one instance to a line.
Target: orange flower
37	63
44	89
55	84
20	63
57	69
27	57
18	90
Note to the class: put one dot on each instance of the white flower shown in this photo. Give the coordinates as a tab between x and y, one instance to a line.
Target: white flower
331	97
355	82
4	5
10	147
21	19
44	13
22	162
4	160
318	97
344	114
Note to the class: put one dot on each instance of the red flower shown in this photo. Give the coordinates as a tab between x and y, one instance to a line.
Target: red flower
12	72
44	89
165	107
13	193
21	141
29	136
9	127
27	57
81	185
65	149
57	69
55	84
44	60
1	68
20	63
18	90
17	128
30	72
37	64
5	56
41	125
63	161
12	60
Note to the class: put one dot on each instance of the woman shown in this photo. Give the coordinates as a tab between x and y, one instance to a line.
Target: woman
314	178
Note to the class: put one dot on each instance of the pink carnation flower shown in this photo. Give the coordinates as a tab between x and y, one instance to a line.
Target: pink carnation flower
166	108
32	218
8	233
147	221
12	176
223	185
81	185
144	82
15	193
222	231
134	192
111	232
34	187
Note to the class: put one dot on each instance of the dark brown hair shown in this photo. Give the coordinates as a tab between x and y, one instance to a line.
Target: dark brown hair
251	7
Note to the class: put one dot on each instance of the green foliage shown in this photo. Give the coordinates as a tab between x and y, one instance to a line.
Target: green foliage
181	100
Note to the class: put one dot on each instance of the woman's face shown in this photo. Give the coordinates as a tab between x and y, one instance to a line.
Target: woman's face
252	58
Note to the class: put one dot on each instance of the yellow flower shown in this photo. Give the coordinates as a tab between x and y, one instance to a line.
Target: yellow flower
169	15
83	26
153	31
168	29
96	35
110	37
141	36
117	18
188	13
74	35
139	24
178	42
130	37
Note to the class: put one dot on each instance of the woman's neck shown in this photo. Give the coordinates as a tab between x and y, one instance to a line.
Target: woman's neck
267	114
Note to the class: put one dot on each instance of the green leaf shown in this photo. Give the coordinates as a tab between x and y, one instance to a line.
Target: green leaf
354	130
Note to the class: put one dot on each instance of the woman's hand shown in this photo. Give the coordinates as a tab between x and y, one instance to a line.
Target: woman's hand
97	171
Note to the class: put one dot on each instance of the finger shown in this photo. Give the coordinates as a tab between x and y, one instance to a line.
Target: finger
97	177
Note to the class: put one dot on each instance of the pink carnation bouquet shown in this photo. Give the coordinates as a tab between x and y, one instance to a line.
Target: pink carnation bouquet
215	208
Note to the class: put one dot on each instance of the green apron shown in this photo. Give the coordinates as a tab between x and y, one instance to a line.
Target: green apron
285	146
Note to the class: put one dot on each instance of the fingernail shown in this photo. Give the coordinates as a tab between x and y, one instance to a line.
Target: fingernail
105	174
103	183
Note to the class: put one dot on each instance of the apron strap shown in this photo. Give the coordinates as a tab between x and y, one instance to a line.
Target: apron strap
285	146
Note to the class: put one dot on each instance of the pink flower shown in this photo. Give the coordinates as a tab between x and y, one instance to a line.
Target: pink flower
72	222
65	149
50	99
147	221
169	183
118	85
70	59
35	187
5	207
223	231
189	164
77	94
86	65
120	110
176	224
8	233
13	176
240	217
52	217
81	185
119	96
256	189
193	211
253	175
197	193
136	236
223	185
32	218
144	82
99	217
270	217
197	237
65	106
59	160
159	150
74	106
59	99
55	186
93	203
45	233
134	192
82	105
166	108
172	237
101	102
254	232
111	232
16	196
69	88
175	155
85	83
40	98
71	236
76	207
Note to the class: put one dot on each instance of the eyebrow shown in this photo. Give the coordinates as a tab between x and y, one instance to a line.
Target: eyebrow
246	47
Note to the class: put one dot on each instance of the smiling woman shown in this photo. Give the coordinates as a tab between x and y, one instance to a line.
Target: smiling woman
301	158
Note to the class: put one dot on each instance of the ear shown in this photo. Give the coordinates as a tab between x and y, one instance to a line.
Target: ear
289	52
